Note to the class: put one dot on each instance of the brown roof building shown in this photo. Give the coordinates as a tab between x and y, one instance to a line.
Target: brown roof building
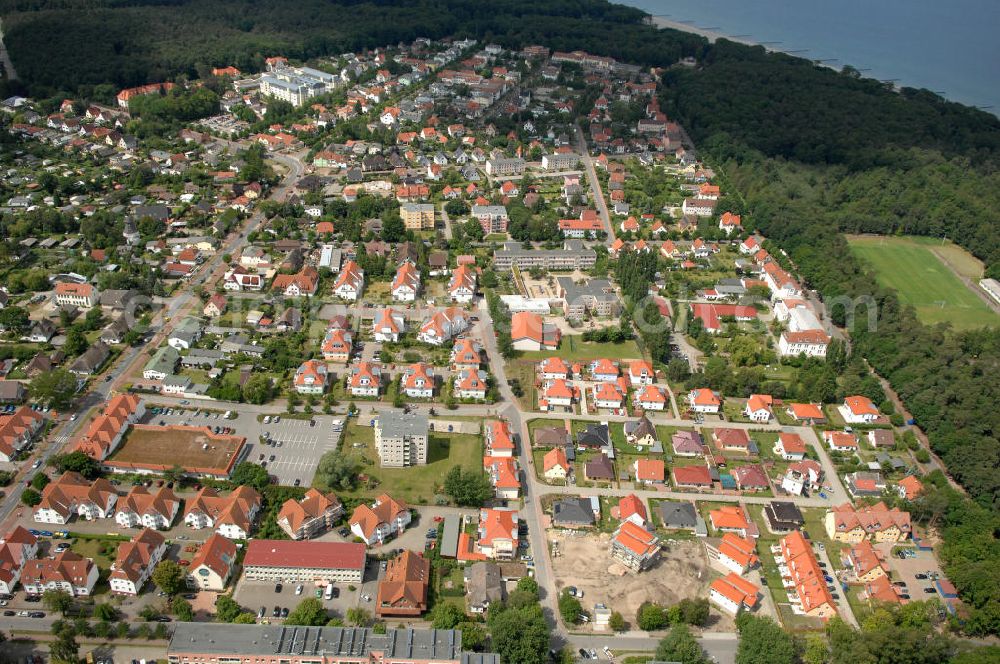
403	590
314	514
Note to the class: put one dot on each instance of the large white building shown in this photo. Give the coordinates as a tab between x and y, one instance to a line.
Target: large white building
136	561
298	561
296	85
401	438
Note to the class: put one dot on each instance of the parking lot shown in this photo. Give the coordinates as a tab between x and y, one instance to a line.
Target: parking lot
906	570
255	594
296	444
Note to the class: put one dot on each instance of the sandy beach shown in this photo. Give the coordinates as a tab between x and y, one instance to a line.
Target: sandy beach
710	35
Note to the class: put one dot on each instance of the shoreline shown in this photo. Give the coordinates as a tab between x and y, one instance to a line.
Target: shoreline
712	36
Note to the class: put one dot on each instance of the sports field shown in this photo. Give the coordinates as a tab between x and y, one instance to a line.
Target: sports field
913	268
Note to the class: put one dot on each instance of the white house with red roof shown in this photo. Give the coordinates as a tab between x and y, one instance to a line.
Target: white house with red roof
704	400
758	408
462	287
136	561
365	380
634	546
732	594
16	548
841	441
604	370
406	284
631	508
557	393
388	325
608	396
417	381
790	446
471	384
312	377
499	439
858	409
552	368
730	223
350	282
640	372
443	325
651	397
497	535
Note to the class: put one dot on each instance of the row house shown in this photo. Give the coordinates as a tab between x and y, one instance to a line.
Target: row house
108	429
72	495
67	572
17	431
141	509
849	524
803	578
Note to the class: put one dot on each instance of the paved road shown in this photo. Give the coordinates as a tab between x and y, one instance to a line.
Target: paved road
595	184
8	66
133	357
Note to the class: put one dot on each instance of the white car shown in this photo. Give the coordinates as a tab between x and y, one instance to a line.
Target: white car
298	589
267	419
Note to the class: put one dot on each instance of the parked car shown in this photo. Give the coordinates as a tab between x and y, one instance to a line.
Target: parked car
278	587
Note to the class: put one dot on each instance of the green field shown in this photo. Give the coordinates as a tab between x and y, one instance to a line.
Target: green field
572	347
912	268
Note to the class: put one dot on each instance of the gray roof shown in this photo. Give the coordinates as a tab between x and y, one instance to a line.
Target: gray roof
449	537
330	642
484	584
397	424
599	290
576	511
678	515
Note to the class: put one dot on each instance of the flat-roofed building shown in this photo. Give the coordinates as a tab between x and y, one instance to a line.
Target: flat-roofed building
401	438
223	642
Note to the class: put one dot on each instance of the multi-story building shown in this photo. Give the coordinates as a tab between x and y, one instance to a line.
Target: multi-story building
493	218
634	546
337	345
296	561
573	256
811	343
388	325
504	166
849	524
442	326
417	381
462	287
231	516
417	216
365	380
136	561
296	85
17	430
597	296
350	282
401	438
66	571
312	377
212	566
247	644
312	516
142	509
380	521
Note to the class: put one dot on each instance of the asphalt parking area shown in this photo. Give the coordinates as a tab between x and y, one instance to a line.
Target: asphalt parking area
301	444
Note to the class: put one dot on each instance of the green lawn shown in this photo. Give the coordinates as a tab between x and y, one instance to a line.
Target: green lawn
911	267
574	349
416	484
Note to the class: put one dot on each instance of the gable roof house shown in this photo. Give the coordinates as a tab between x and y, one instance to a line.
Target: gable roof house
139	508
136	561
382	520
311	516
72	495
403	588
634	547
484	586
231	516
66	571
16	548
213	564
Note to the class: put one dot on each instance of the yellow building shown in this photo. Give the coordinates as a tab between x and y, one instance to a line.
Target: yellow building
877	523
417	216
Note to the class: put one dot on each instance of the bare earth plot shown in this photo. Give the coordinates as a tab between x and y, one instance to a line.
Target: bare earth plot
584	562
913	268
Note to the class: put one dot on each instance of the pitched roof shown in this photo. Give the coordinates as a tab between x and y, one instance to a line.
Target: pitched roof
217	553
313	505
135	556
555	457
405	582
